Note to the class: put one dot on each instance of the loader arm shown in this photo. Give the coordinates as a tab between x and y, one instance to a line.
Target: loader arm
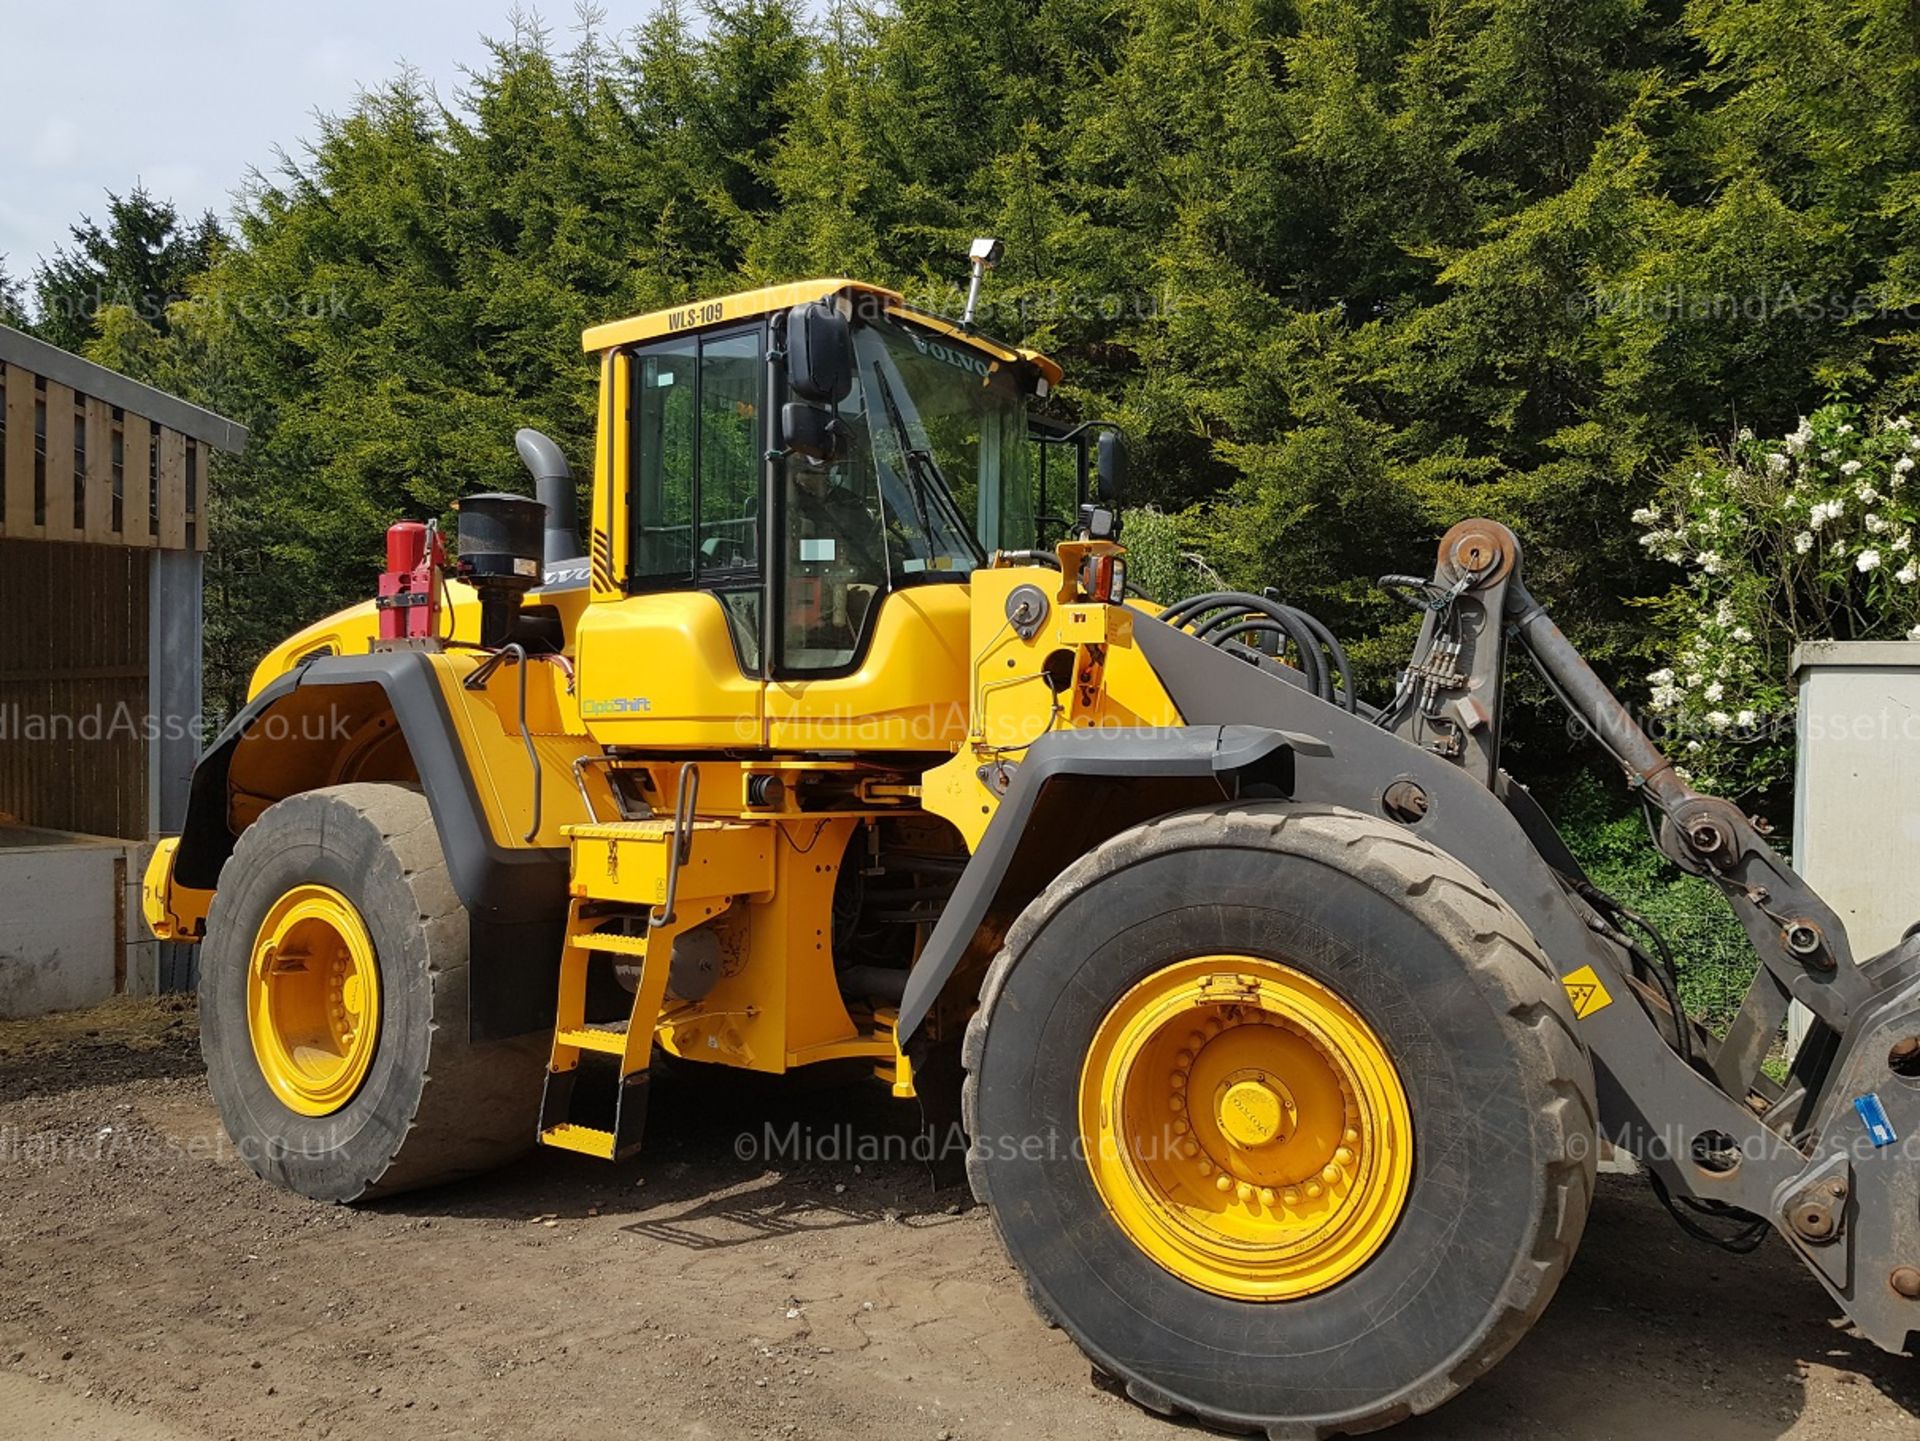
1818	1159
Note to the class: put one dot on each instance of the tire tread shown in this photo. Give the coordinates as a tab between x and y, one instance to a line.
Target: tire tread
1484	929
478	1101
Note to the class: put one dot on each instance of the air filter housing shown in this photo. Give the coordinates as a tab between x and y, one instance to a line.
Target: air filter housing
501	543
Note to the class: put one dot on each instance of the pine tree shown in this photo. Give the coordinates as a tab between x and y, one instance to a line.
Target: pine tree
13	299
141	260
1348	270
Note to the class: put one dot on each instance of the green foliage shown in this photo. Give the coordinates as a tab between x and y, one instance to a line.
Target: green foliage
1809	538
141	262
1714	956
1347	270
1160	563
13	299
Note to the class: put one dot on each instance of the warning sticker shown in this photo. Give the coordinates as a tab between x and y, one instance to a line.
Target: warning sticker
1586	992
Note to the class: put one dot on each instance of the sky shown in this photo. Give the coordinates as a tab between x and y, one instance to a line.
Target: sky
186	97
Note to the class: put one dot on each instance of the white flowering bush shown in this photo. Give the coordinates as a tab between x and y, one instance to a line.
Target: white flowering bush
1809	537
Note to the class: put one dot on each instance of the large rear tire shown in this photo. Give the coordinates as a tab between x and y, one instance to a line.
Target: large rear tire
333	1005
1283	1115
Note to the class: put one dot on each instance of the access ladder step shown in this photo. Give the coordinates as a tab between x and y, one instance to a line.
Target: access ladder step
612	943
585	1139
610	1040
624	1102
632	861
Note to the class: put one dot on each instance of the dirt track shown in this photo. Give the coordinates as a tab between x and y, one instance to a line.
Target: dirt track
152	1290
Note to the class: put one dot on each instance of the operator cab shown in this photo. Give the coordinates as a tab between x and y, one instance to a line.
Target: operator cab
900	457
784	461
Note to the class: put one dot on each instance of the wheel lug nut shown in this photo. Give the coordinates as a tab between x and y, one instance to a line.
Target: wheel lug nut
1189	1147
1343	1157
1244	1192
1291	1195
1176	1103
1266	1195
1330	1175
1223	1182
1178	1081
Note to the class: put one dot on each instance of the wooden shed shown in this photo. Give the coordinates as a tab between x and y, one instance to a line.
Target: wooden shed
103	509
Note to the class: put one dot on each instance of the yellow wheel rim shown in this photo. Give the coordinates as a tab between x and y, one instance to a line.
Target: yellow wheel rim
313	1000
1245	1128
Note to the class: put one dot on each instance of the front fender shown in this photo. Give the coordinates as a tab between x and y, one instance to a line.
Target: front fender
1056	809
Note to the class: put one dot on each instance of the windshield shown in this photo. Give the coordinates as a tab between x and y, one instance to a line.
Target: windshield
952	416
935	439
914	425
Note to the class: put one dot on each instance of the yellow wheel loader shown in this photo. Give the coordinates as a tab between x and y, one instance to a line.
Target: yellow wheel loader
1283	1024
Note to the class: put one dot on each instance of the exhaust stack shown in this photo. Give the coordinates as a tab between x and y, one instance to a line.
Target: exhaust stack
553	485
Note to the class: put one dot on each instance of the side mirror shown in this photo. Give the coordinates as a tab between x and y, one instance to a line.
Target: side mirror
819	353
814	432
1109	466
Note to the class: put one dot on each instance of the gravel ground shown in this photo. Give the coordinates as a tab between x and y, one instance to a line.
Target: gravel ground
152	1290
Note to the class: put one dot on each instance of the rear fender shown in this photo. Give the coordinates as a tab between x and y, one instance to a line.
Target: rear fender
382	717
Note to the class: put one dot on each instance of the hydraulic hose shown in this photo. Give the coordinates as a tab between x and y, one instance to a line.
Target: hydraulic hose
1341	665
1227	624
1240	613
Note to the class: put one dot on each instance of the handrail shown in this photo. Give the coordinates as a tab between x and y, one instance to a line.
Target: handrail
683	814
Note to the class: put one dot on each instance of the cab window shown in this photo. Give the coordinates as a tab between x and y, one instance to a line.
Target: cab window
730	454
665	382
696	455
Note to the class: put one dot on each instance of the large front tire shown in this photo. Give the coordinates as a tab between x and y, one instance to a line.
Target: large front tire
1374	1008
333	1005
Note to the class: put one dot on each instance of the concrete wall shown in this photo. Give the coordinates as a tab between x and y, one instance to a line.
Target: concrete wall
70	932
1857	807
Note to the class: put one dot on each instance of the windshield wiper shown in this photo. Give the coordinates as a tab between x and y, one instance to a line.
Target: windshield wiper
920	465
924	480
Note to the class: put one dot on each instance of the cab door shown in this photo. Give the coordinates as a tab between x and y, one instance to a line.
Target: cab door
672	658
